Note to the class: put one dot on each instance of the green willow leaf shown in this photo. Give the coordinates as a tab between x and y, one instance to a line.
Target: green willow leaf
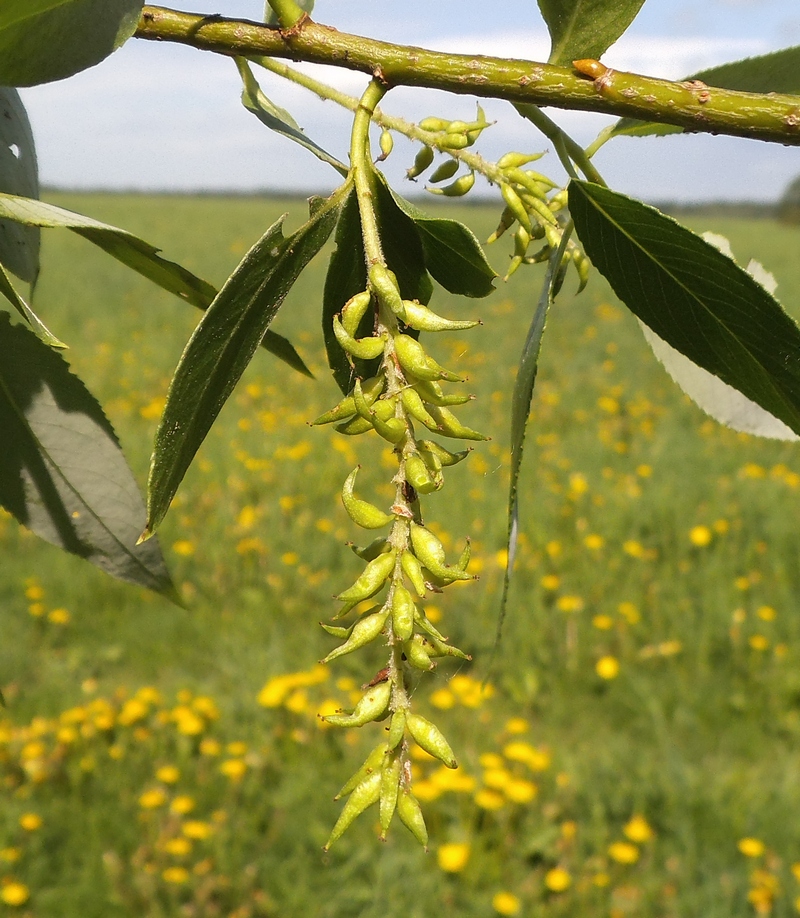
62	473
19	174
693	297
223	344
125	247
452	253
775	72
585	28
45	40
521	408
278	119
347	276
10	293
284	350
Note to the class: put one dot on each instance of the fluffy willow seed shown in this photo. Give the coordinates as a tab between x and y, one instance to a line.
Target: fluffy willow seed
362	797
430	738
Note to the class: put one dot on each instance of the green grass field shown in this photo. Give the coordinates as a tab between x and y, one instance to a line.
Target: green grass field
637	750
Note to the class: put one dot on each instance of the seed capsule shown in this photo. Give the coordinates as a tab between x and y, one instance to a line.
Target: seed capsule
373	763
413	570
454	141
445	171
458	188
507	220
390	785
430	552
415	361
444	456
384	284
515	205
515	160
371	580
429	737
434	124
415	407
386	144
432	392
402	613
422	160
361	512
336	631
410	813
354	311
363	348
423	319
450	426
345	409
421	619
417	654
397	729
437	648
364	632
354	427
367	793
418	475
371	706
370	552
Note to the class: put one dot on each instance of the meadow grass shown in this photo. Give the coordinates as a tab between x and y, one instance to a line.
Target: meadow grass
636	750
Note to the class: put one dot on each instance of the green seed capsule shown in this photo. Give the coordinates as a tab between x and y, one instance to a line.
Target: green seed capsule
361	512
424	622
432	392
507	220
430	552
370	552
437	648
456	189
386	144
430	738
423	319
397	729
583	266
434	124
363	348
371	706
443	455
422	160
417	655
367	793
515	160
364	632
450	426
354	427
336	631
345	409
415	361
454	141
382	281
392	429
410	813
447	170
371	580
463	561
418	475
402	613
372	764
413	570
390	785
515	205
415	407
354	311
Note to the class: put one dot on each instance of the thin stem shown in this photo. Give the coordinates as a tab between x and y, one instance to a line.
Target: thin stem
690	105
287	11
568	150
361	165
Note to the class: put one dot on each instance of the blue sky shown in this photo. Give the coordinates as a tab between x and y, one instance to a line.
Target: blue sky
160	116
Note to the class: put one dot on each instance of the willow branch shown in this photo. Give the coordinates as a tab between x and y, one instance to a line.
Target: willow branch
691	105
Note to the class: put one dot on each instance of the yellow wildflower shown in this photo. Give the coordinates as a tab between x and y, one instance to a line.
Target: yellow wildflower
30	821
638	829
607	667
506	903
14	893
453	857
623	852
557	879
751	847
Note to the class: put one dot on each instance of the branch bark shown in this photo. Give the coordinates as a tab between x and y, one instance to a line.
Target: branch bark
692	105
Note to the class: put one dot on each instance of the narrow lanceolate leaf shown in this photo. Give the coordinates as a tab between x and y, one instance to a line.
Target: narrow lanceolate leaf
125	247
284	350
775	72
10	293
585	28
452	253
278	119
693	297
347	276
62	473
19	174
521	407
44	40
223	345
